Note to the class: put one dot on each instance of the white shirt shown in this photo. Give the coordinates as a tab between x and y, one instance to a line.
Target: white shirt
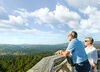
92	55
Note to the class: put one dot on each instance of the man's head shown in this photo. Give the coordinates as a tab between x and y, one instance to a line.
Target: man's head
88	41
72	35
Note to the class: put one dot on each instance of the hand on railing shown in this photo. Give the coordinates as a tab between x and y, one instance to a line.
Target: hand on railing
69	58
58	52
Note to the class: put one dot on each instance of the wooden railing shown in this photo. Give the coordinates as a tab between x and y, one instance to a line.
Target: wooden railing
47	64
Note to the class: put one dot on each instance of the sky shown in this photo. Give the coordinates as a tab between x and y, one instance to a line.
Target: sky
48	21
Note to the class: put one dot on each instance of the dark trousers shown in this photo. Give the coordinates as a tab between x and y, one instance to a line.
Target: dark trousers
83	66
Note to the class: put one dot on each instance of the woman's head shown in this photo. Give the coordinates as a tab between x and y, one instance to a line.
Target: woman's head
88	41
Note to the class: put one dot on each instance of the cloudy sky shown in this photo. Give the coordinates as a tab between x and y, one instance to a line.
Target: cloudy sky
48	21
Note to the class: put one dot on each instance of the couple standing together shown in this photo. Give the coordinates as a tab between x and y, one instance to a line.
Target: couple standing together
85	60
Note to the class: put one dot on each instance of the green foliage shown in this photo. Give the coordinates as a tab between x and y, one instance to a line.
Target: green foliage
6	49
20	58
11	63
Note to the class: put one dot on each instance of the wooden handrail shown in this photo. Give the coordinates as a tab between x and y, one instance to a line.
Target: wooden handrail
47	64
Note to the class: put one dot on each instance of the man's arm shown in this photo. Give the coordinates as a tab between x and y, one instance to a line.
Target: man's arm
64	53
70	48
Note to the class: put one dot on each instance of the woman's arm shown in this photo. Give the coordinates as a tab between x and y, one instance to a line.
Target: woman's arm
93	67
94	56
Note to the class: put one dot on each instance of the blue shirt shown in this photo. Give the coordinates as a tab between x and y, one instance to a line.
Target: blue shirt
77	50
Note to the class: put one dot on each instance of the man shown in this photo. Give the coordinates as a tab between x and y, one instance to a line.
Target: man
79	57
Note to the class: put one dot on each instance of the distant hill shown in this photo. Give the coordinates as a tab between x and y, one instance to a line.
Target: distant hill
97	42
24	49
29	48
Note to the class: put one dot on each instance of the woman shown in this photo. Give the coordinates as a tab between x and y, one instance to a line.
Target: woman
91	51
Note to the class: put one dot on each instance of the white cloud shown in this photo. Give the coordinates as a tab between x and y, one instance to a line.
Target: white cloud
90	8
40	16
19	24
61	25
61	15
50	25
16	22
63	31
3	14
16	25
22	12
64	15
32	31
92	24
83	3
44	15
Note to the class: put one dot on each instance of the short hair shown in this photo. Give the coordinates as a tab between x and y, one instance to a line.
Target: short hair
73	33
90	39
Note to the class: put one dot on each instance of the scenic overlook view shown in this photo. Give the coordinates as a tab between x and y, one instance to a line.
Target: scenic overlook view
35	33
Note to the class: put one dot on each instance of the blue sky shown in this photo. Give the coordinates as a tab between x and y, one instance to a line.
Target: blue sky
47	21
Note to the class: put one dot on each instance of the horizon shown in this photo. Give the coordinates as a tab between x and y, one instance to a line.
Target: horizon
41	43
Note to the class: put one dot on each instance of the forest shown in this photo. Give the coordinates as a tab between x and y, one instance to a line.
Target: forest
20	58
10	63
